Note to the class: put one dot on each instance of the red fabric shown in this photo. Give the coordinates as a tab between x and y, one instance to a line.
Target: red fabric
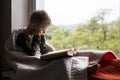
108	69
108	56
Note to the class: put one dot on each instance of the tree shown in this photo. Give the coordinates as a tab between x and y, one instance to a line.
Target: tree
95	34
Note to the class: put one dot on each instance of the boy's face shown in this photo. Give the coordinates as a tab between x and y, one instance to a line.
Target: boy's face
38	29
41	31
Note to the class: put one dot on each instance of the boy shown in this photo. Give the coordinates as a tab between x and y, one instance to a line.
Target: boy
31	40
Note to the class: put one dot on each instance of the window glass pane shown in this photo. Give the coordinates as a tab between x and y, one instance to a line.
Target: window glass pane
84	24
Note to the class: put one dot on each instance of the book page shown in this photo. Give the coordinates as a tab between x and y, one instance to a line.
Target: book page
58	54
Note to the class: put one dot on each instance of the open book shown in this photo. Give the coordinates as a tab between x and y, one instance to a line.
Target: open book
58	54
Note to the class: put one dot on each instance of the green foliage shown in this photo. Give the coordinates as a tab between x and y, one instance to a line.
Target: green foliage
95	34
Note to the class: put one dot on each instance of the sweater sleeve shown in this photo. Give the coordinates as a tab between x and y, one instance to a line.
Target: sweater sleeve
24	42
44	47
40	40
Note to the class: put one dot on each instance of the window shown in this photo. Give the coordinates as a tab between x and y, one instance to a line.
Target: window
84	24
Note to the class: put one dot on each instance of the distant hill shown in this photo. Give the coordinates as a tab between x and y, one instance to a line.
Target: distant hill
70	27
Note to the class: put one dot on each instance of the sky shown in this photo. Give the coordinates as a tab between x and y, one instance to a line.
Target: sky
79	11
